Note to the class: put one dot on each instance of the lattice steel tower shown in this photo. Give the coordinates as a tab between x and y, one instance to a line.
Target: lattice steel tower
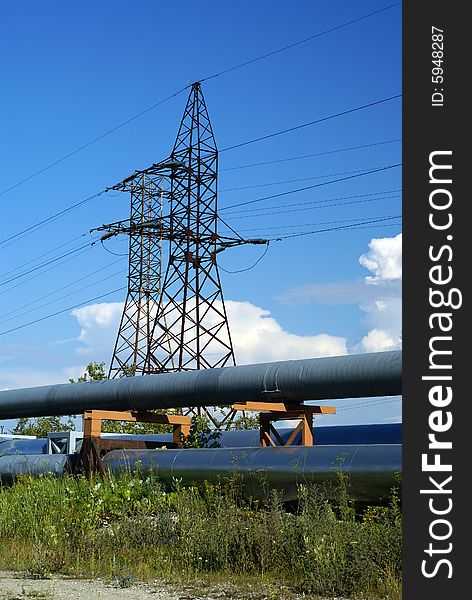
131	350
191	328
177	322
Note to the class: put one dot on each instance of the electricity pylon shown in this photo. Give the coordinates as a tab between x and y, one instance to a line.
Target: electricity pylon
178	322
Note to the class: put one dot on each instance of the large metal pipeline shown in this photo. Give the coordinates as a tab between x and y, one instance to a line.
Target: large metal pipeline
375	433
13	466
324	435
350	376
372	470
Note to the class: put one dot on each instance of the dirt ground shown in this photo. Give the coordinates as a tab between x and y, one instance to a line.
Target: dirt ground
15	586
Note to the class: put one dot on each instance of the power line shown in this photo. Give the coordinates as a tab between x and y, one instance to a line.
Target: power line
267	184
247	268
100	137
63	287
377	402
294	235
321	120
320	206
32	228
47	220
355	226
47	263
308	224
213	76
54	266
111	251
59	312
57	299
299	42
325	203
29	262
290	158
310	187
378	226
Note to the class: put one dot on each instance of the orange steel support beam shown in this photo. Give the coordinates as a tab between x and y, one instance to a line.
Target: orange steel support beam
93	446
271	412
93	421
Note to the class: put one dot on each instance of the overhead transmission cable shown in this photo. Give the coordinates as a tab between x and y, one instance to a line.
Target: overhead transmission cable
363	224
93	141
63	287
341	227
318	207
47	263
51	218
302	206
59	312
290	158
336	222
47	220
377	402
280	238
53	266
213	76
299	42
268	184
321	120
247	268
35	308
33	260
310	187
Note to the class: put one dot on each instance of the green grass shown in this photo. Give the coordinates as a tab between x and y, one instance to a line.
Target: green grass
128	528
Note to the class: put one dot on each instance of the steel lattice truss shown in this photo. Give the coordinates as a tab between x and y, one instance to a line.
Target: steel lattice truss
191	329
177	323
131	350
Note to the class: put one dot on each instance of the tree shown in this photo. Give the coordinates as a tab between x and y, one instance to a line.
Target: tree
40	426
93	372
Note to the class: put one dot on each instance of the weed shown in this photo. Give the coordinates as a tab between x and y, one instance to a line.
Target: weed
128	528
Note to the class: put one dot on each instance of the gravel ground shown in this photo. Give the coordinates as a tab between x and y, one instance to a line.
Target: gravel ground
15	586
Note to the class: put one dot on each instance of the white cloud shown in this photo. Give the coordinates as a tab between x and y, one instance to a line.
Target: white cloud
378	295
384	314
257	337
384	259
378	340
99	325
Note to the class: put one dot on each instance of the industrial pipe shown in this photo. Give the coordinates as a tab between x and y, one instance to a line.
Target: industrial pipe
351	376
375	433
372	470
13	466
324	435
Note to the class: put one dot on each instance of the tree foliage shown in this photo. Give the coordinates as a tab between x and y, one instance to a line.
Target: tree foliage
40	426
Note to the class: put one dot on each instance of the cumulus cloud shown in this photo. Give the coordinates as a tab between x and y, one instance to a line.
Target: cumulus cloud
384	259
378	295
257	337
384	314
378	340
99	326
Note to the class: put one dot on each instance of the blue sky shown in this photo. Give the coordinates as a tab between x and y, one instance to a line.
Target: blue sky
72	71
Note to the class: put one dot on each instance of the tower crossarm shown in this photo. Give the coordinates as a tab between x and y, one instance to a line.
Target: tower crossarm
161	227
168	168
